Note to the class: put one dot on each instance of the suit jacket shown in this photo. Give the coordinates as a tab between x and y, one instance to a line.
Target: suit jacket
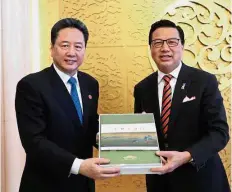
51	133
198	126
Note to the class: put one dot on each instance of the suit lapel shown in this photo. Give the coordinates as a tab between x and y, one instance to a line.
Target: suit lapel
154	102
85	97
154	95
181	88
63	98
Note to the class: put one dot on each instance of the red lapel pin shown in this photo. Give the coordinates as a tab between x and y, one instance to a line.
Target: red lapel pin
90	96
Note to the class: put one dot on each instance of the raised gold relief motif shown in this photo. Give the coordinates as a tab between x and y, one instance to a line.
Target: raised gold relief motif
207	26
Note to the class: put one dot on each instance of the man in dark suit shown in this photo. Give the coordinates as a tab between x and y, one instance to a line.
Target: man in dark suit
189	115
57	118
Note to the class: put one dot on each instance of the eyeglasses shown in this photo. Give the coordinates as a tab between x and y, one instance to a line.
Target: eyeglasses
172	42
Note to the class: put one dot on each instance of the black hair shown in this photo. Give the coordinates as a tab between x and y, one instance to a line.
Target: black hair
166	24
69	23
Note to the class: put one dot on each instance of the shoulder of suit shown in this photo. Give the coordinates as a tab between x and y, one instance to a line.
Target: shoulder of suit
46	72
198	74
35	76
34	80
147	80
86	76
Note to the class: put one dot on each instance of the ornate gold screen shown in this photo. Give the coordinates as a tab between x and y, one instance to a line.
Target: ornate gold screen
118	54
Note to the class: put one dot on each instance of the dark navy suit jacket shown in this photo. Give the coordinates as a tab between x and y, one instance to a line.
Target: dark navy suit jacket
51	133
198	126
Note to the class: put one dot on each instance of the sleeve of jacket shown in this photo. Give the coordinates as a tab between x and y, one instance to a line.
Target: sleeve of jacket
32	125
137	100
95	118
213	118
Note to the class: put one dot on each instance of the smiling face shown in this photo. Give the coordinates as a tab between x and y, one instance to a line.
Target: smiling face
68	50
166	58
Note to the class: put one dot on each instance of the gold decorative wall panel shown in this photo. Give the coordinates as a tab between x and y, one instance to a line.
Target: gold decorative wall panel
119	57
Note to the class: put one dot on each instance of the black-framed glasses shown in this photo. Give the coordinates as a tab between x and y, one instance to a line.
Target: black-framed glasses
172	42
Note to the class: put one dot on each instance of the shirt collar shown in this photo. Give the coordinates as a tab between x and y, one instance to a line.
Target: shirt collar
64	77
174	73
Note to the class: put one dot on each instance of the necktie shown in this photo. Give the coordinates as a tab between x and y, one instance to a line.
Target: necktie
72	81
166	104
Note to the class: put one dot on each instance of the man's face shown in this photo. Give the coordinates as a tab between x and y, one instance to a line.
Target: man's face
167	57
69	50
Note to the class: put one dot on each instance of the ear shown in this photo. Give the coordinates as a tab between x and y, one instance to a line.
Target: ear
51	50
182	46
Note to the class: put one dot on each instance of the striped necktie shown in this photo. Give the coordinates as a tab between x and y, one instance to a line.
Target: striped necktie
72	81
166	104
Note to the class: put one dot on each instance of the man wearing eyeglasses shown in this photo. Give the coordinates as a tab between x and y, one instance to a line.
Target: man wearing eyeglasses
189	115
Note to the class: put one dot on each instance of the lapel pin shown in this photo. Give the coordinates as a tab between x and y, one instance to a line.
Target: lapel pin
183	86
90	96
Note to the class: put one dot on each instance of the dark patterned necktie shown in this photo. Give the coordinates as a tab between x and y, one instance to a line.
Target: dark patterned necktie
72	81
166	104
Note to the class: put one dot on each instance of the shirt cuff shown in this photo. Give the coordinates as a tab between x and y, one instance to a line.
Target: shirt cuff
76	166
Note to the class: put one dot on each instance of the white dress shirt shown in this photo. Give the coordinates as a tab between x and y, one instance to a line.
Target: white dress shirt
160	81
64	77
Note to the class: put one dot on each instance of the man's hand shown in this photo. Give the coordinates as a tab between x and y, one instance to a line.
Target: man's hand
171	160
91	168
